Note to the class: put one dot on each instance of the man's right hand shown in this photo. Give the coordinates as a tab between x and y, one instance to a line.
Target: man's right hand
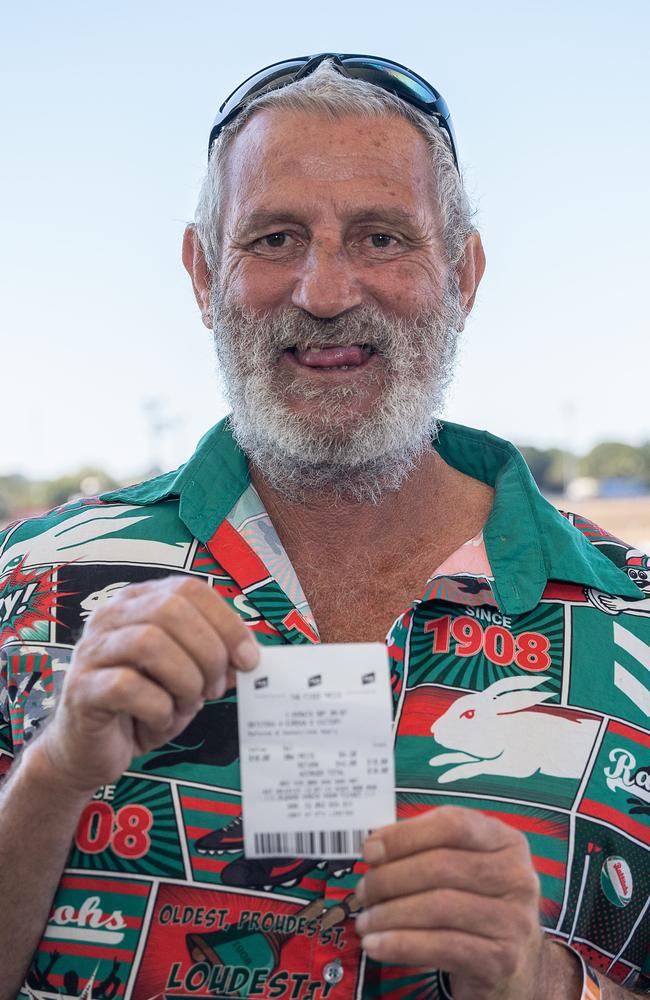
146	662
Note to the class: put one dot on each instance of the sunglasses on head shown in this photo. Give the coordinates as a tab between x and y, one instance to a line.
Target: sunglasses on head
390	76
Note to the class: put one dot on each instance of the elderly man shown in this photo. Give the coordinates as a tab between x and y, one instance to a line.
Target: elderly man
334	258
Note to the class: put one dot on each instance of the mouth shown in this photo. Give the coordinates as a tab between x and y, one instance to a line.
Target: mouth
338	357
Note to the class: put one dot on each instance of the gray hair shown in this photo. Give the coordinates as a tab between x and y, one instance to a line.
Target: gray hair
327	92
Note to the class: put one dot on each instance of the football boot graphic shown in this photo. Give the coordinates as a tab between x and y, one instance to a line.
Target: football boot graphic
226	840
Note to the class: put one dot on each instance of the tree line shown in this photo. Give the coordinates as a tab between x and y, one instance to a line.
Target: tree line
552	469
20	496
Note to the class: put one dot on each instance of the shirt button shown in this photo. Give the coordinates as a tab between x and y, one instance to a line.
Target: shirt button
333	973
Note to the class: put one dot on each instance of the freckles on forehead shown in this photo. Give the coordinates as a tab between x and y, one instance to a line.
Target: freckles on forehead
287	152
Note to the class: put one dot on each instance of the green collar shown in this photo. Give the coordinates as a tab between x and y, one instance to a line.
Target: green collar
528	542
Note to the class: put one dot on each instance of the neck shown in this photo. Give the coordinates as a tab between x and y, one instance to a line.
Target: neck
361	563
325	522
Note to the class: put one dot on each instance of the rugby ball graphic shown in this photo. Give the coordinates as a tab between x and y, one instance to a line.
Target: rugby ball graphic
616	881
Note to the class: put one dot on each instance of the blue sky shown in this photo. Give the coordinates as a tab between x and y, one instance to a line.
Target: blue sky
104	125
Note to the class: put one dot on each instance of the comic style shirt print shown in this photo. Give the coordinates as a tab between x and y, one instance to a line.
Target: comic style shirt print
521	687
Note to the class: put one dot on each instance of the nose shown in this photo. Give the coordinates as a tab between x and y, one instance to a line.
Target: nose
326	285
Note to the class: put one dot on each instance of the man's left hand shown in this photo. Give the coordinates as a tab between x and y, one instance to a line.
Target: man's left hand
454	889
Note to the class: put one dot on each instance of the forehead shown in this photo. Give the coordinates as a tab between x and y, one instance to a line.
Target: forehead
303	157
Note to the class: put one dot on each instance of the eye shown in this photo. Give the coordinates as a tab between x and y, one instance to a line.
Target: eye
469	714
279	245
274	240
381	241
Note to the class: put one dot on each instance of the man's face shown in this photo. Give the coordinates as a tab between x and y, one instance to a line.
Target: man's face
333	310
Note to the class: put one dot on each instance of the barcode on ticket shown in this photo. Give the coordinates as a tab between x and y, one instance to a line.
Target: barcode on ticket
312	843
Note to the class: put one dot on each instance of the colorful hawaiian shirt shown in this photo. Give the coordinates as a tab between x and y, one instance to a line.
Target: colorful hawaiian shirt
521	687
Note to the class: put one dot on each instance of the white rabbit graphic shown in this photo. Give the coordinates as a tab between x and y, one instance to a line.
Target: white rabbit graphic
492	733
99	597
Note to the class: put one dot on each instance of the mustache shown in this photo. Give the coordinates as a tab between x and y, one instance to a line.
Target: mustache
293	329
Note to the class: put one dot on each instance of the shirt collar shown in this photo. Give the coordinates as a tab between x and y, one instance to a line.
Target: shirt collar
528	542
208	485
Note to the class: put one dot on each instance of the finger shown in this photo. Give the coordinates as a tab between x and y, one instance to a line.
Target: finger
242	648
442	868
181	619
488	960
442	826
157	598
445	909
149	650
138	702
231	681
102	694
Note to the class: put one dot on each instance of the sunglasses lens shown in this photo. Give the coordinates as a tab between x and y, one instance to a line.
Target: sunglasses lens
379	72
271	78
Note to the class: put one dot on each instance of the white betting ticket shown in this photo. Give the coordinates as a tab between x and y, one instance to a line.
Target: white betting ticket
316	749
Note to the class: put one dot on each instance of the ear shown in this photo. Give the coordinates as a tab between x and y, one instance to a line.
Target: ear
515	684
470	271
517	701
199	272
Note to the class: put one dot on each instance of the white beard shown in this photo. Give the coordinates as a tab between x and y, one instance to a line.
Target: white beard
328	449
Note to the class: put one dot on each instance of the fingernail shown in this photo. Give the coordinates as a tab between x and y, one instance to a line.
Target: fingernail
371	943
217	689
360	890
247	655
374	852
361	922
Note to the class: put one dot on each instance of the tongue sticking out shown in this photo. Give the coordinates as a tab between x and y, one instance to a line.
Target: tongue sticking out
333	357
